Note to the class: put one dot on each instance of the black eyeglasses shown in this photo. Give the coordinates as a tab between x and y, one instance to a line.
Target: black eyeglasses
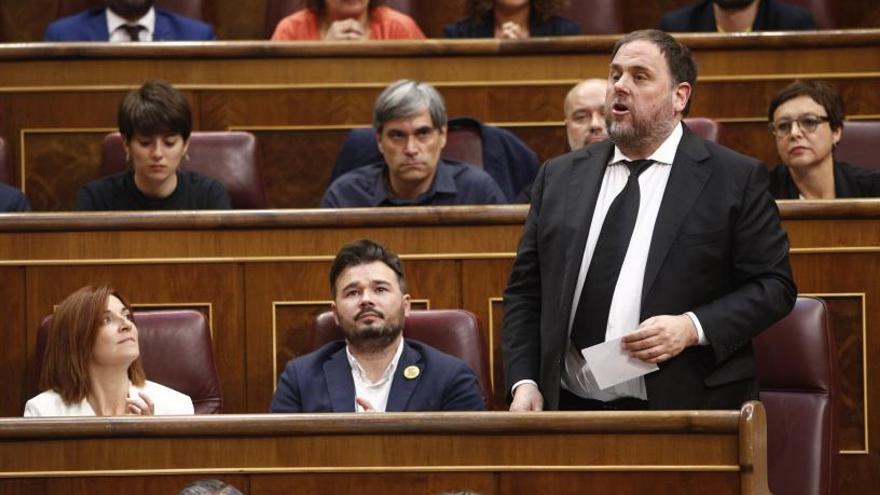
806	123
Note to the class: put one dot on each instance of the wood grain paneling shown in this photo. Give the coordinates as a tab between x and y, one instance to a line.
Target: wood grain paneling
425	451
244	262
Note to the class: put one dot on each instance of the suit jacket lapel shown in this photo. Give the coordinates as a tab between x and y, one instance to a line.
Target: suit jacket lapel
340	384
584	182
402	388
686	180
162	30
98	26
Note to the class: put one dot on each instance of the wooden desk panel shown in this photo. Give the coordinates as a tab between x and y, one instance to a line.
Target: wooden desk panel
268	277
367	453
301	98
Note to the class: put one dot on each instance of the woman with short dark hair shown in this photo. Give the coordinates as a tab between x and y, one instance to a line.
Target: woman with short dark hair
512	19
807	120
155	122
92	364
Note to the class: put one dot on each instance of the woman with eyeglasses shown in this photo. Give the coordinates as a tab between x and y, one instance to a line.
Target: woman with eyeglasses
806	118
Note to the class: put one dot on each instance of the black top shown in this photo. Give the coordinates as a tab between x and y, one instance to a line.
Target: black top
119	192
772	16
849	182
11	199
475	28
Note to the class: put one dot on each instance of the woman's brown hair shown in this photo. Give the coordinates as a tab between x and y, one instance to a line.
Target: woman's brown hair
71	339
481	10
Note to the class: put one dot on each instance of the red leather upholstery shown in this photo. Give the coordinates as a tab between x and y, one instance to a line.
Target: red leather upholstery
189	8
230	157
858	145
596	16
463	142
453	331
176	350
822	11
707	129
279	9
798	376
7	174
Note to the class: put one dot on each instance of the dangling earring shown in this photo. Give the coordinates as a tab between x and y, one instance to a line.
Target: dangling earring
127	159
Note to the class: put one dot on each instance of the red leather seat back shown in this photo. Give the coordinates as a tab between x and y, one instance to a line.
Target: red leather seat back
858	144
464	143
796	363
189	8
7	173
453	331
822	12
176	350
707	129
232	158
596	16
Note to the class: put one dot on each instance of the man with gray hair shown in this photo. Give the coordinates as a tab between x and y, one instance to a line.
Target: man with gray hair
209	487
409	118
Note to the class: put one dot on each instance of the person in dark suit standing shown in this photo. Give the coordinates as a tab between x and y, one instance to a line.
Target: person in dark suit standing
128	20
656	236
374	369
728	16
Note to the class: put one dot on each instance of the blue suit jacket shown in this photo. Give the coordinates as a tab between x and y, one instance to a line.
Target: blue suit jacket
91	25
11	199
322	382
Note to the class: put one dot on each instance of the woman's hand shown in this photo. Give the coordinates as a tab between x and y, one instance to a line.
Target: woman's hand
141	406
513	31
346	29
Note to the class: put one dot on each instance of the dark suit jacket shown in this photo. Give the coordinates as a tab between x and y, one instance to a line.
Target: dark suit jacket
91	25
11	199
718	250
849	182
322	382
772	16
470	28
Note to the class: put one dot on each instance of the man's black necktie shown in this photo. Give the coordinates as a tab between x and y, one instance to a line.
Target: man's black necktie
133	31
591	318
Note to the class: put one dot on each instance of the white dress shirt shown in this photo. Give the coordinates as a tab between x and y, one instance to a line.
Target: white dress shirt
165	401
625	309
115	22
374	392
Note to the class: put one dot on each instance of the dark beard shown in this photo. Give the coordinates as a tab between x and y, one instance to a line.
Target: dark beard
639	134
732	4
373	338
130	9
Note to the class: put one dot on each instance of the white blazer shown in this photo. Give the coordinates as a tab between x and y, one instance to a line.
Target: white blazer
166	401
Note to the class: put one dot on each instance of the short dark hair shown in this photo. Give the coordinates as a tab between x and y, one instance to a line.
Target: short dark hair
362	252
209	487
679	60
154	108
823	93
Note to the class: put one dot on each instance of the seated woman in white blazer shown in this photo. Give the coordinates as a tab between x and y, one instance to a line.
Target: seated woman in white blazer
92	365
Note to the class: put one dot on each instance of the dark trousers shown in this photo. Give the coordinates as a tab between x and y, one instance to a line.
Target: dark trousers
571	402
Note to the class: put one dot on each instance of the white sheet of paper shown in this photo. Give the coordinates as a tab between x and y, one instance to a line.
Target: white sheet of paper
610	365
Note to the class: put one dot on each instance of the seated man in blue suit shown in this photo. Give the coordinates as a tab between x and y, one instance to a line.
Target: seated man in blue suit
128	20
374	368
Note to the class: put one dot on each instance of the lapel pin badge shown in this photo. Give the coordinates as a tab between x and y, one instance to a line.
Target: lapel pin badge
411	372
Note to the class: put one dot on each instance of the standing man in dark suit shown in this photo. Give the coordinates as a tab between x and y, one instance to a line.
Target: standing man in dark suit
374	368
728	16
128	20
659	237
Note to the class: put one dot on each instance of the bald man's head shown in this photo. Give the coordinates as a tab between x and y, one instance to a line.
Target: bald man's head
585	113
